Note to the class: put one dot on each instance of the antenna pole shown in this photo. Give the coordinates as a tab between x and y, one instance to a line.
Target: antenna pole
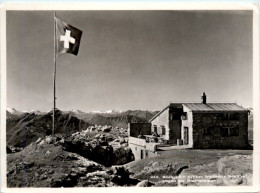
54	77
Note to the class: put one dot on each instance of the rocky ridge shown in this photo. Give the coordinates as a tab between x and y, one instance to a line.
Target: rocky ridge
57	166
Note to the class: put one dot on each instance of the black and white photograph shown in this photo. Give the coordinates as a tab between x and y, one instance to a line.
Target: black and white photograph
129	98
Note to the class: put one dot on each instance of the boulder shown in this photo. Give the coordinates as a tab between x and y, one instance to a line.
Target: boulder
49	140
144	183
121	140
38	140
106	129
121	176
123	155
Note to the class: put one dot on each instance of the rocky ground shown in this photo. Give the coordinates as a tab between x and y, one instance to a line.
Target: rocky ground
195	168
83	159
48	163
100	157
90	157
227	171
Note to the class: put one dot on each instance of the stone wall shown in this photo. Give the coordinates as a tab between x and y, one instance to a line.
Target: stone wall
140	152
135	128
208	131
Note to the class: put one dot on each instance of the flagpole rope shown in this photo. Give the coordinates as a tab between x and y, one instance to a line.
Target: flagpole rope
54	77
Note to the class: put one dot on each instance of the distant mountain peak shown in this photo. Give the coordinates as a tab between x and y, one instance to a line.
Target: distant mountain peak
106	112
17	112
77	111
37	112
13	111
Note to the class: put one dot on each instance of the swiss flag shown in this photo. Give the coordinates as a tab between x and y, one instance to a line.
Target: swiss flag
67	38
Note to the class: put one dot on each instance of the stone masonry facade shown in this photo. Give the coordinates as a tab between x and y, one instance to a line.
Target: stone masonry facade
220	130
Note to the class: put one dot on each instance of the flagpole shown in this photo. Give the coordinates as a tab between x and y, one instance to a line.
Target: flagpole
54	77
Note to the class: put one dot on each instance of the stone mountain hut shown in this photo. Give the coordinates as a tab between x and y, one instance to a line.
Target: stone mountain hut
191	125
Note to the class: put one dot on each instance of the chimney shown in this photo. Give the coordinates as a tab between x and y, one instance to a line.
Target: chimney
204	98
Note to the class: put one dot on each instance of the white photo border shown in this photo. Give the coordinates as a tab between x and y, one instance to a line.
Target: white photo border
135	6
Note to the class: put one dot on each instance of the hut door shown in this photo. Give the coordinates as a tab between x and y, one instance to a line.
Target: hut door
142	154
186	135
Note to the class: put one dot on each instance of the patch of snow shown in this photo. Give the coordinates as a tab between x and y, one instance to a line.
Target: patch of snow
13	111
77	111
107	112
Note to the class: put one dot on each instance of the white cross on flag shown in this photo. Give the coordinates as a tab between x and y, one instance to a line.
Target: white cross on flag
67	38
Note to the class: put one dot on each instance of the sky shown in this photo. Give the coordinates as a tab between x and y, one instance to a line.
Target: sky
130	59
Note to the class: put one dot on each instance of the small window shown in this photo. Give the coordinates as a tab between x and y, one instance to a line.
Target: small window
223	132
184	116
230	116
155	129
163	130
224	116
234	116
233	131
229	131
